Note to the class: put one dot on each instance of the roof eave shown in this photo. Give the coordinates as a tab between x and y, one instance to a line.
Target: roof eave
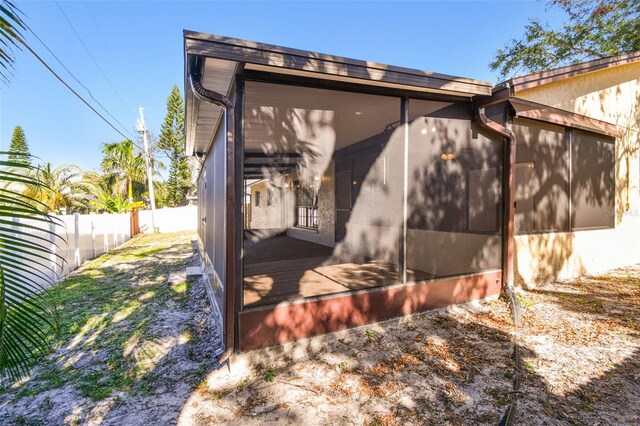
545	77
294	59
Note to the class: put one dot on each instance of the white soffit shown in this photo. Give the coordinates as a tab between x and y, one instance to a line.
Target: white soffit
205	117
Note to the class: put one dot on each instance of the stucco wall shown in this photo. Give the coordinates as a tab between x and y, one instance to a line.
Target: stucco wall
325	234
611	95
267	216
280	214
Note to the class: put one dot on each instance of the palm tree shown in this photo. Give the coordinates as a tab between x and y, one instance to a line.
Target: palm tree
10	26
116	204
67	188
123	166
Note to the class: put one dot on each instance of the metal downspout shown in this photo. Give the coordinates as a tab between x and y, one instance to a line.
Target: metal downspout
508	247
508	213
215	98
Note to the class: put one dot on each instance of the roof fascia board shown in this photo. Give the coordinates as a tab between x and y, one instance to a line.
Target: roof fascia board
537	79
280	57
564	118
553	115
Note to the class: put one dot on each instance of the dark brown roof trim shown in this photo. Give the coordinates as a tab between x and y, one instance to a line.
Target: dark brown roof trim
214	46
558	74
535	111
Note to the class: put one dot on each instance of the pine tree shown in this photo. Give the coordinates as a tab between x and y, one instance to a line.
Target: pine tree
19	149
172	142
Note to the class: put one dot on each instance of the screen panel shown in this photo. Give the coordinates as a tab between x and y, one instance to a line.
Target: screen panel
454	192
592	181
542	177
337	158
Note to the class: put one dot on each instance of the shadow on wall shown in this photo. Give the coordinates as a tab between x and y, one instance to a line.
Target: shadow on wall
541	258
453	188
546	257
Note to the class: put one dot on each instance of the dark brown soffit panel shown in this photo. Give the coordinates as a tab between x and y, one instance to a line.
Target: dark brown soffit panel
250	52
535	111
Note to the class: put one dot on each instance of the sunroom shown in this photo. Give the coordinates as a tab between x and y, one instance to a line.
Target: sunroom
335	192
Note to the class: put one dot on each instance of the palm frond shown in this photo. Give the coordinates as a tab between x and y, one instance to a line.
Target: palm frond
11	25
28	264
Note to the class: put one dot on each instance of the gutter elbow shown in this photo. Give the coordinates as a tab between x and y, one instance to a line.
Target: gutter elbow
202	93
487	123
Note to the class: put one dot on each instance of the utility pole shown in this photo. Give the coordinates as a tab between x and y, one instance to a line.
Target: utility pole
140	127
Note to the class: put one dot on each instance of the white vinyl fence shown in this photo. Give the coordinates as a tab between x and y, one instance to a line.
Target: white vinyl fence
80	237
170	219
83	237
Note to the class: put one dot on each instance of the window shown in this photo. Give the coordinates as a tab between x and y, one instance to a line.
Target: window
564	179
306	204
269	197
257	198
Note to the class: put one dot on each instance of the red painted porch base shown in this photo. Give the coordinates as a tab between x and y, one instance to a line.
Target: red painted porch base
268	326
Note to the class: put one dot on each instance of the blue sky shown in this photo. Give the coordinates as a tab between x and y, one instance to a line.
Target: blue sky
139	47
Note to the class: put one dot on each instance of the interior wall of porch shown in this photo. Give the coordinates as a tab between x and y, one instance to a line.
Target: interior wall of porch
280	214
325	234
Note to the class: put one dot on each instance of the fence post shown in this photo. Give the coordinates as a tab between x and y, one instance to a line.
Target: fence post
93	236
124	221
54	263
114	233
105	234
76	238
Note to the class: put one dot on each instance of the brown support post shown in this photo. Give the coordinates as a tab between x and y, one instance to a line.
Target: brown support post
238	209
404	120
231	248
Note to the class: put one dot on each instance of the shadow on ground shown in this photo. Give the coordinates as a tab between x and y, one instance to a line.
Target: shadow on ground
580	345
136	349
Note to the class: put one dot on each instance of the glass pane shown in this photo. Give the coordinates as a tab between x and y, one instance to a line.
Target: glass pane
542	177
454	192
592	181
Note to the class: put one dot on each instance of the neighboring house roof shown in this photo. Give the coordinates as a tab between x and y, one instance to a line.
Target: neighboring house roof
223	56
537	79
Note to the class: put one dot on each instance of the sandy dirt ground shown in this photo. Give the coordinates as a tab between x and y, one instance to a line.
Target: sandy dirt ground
580	341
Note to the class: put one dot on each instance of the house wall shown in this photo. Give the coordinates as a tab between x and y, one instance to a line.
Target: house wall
325	234
267	216
281	213
211	224
611	95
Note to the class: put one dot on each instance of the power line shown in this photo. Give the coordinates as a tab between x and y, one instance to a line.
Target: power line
92	58
106	45
79	82
75	93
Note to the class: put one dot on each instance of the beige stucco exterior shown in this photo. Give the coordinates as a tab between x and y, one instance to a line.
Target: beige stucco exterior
279	214
611	95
